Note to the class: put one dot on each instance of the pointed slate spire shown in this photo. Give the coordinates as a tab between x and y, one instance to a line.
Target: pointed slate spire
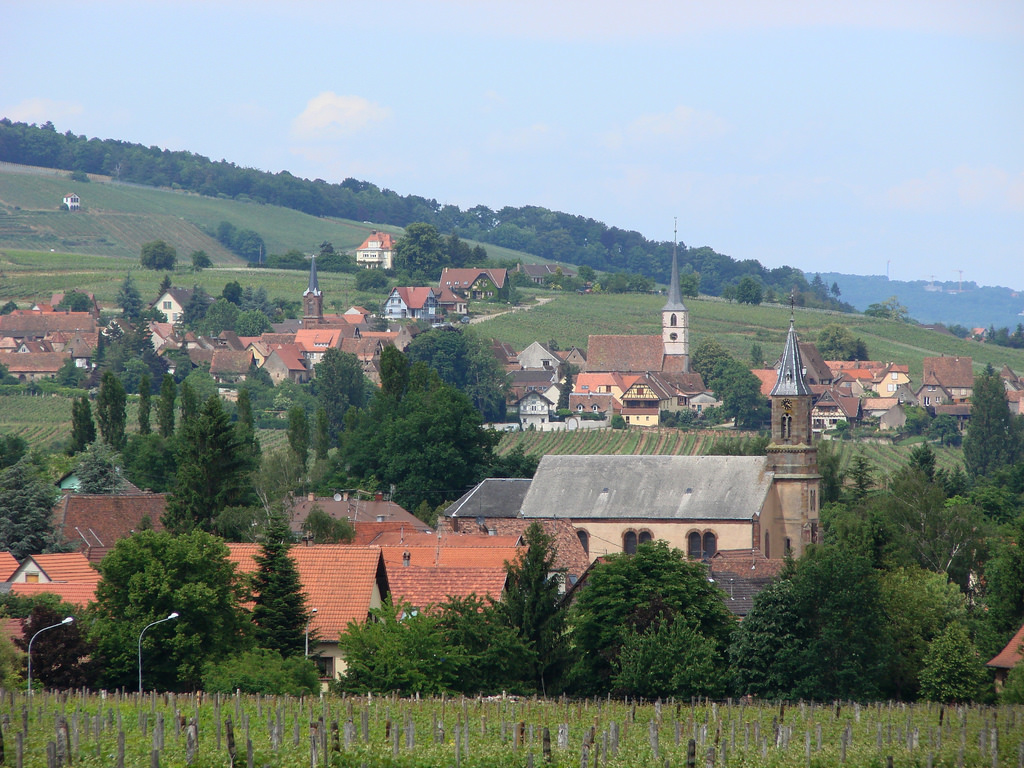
314	285
675	296
791	370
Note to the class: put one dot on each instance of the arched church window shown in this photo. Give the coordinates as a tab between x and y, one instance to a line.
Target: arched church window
629	542
584	538
767	546
787	426
672	321
645	537
693	545
710	544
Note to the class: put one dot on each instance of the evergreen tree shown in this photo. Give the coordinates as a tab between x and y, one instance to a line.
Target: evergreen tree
212	470
994	436
279	612
565	389
165	409
531	604
97	470
110	410
83	430
26	510
129	299
145	385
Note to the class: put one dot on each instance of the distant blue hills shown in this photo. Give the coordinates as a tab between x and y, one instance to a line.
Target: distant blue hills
938	302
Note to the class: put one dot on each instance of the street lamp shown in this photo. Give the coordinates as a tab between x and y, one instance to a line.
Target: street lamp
67	620
312	613
173	615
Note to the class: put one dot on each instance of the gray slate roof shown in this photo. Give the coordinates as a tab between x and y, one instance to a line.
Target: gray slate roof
648	487
494	497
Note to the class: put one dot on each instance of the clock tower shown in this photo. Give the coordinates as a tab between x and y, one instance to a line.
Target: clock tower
791	455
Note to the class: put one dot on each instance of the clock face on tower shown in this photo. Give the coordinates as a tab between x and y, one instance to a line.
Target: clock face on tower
787	405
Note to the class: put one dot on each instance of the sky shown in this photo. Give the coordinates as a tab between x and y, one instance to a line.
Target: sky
869	137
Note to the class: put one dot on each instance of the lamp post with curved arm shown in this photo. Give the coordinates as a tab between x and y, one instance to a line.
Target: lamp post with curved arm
173	615
67	620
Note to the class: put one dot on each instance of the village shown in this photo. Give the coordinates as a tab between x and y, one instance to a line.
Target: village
740	517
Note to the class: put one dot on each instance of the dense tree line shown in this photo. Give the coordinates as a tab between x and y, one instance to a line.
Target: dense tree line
550	234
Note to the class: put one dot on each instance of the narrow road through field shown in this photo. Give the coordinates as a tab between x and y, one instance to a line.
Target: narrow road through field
540	300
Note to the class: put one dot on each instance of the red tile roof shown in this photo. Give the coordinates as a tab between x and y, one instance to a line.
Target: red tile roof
425	586
8	565
67	567
569	554
1010	656
464	557
625	353
88	521
75	594
949	371
337	579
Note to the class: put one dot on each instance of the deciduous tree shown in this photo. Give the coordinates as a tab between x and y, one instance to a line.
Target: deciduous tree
158	255
145	578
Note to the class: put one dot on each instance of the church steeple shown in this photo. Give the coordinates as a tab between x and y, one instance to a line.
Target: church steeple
791	396
791	455
312	298
675	320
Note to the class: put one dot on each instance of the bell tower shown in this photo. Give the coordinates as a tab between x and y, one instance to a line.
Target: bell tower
792	457
312	299
675	321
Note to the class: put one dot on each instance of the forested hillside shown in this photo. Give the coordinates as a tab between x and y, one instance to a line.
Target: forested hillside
535	230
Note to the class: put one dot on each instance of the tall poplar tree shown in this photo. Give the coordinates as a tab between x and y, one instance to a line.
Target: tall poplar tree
279	611
165	409
83	429
145	385
110	410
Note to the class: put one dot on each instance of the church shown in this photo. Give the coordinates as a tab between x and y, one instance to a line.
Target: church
767	505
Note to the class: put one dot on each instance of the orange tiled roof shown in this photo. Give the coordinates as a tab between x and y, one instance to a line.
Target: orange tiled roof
463	557
337	579
74	593
8	565
1010	656
949	371
423	587
71	567
768	377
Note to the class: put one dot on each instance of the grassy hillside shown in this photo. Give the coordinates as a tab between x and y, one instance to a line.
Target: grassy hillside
570	318
116	219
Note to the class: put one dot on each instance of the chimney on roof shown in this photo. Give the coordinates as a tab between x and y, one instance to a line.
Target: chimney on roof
311	496
344	496
405	559
378	496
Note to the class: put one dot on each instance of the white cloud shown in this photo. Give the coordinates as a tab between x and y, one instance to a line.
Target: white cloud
39	110
529	138
681	125
964	187
330	115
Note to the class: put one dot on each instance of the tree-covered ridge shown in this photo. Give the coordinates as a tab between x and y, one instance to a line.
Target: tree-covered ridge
549	234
